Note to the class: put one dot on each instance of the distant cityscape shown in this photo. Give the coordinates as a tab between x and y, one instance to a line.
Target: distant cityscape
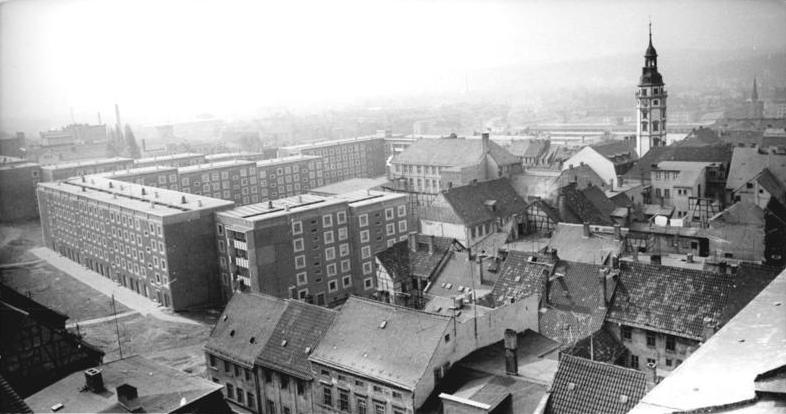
605	259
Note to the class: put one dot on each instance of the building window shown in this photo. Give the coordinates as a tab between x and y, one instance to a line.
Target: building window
251	399
227	366
240	395
398	410
626	332
365	252
402	226
297	227
298	244
669	362
332	286
368	283
342	233
389	213
301	388
327	396
302	279
341	217
363	220
330	253
343	400
248	374
634	361
343	250
650	339
271	407
331	269
284	381
361	406
390	229
670	343
230	391
402	210
346	281
329	237
300	262
364	236
345	265
212	360
327	220
379	407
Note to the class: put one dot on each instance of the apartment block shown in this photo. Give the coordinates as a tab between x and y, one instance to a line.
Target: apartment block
242	155
289	176
153	176
159	243
172	160
346	158
234	180
18	179
87	167
308	247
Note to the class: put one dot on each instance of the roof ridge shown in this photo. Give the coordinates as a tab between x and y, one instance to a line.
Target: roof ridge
582	359
392	305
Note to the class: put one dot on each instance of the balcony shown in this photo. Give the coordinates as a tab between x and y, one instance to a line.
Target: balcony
241	262
240	245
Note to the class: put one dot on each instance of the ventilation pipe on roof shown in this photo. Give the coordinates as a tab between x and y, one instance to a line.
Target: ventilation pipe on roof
128	397
561	205
430	243
587	232
602	287
94	380
617	232
484	142
511	357
412	241
183	200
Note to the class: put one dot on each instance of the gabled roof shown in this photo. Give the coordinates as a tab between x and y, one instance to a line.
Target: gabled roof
528	148
740	213
362	336
460	275
604	347
667	299
452	152
10	401
484	201
569	241
747	163
296	334
773	185
522	274
550	211
748	282
161	389
401	262
618	152
582	386
245	326
710	153
586	205
574	308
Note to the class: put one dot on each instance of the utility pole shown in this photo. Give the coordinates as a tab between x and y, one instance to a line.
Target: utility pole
117	327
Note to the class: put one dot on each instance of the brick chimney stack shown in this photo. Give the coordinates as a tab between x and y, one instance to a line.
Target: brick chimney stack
511	357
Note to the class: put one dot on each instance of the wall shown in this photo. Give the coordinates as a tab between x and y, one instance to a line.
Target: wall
741	242
358	388
242	377
442	229
18	192
282	390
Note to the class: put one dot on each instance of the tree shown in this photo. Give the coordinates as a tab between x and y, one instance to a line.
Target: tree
131	145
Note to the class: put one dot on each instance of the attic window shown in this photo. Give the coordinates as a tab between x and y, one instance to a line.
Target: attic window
225	317
284	343
383	324
252	340
232	333
449	286
623	398
571	386
308	349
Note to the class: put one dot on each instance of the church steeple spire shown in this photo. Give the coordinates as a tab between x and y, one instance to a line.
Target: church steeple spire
755	93
650	103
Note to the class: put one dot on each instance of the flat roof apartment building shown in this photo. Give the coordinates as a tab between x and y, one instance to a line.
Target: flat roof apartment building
157	242
18	179
289	176
74	169
234	180
172	160
152	176
346	158
309	247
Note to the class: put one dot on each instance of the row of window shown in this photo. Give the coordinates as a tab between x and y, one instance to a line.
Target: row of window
671	341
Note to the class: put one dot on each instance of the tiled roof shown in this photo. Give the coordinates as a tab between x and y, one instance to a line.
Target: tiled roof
296	334
401	261
484	201
688	171
528	148
700	137
568	239
520	277
10	401
574	304
748	282
361	338
669	299
582	386
244	328
581	174
747	163
550	211
618	152
604	347
452	152
531	186
710	153
581	208
459	276
741	212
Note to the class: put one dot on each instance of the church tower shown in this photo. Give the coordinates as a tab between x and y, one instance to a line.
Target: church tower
757	107
650	104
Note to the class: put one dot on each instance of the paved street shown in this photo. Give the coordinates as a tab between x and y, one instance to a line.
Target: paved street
108	287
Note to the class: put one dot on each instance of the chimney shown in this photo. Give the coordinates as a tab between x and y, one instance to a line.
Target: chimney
689	257
94	381
430	244
617	232
586	230
128	397
412	240
143	191
270	204
554	256
484	139
511	357
620	181
708	328
655	259
602	286
561	205
183	200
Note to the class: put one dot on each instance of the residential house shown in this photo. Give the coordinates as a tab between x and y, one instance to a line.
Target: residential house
541	217
584	176
529	150
608	159
472	212
132	384
586	386
680	184
18	180
345	158
537	184
433	165
35	345
522	275
404	269
738	233
732	371
171	160
588	206
80	168
258	350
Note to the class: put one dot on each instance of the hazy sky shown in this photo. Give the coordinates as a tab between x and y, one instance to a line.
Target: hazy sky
162	59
